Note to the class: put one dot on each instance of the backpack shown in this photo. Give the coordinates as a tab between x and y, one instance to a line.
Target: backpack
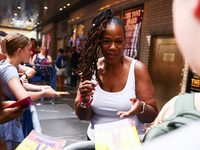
184	113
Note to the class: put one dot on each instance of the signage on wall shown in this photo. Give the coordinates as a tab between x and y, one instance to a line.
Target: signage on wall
133	22
193	83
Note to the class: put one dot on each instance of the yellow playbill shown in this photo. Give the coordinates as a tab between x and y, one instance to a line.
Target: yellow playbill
117	136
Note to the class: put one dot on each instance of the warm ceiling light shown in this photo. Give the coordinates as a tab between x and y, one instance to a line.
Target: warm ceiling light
64	6
45	7
61	9
19	7
15	14
68	4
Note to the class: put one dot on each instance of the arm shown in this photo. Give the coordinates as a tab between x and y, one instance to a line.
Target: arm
144	93
9	114
85	90
30	72
49	60
35	88
33	59
57	59
20	93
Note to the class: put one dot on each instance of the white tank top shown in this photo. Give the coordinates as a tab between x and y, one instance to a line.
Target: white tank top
106	104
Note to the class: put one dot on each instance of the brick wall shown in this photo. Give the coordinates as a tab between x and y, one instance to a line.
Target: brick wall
157	20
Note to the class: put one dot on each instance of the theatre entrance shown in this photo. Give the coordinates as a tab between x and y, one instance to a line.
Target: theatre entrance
167	69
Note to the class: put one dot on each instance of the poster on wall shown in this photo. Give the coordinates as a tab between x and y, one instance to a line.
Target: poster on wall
133	22
46	40
193	83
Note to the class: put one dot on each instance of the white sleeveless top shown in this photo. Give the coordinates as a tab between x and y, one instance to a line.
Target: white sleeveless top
106	104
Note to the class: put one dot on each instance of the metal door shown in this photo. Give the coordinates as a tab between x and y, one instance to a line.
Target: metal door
167	67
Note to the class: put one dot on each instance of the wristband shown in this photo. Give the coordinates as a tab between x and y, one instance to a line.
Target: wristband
85	105
25	75
143	107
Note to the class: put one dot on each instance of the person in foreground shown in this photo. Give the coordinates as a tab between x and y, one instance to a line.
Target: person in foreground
186	19
18	50
7	115
114	86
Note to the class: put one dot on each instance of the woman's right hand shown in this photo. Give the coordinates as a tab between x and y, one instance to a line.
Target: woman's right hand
86	88
50	93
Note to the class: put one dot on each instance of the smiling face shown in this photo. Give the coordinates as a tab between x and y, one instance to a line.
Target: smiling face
43	50
113	42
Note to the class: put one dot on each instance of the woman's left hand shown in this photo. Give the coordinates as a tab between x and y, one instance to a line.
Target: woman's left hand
135	108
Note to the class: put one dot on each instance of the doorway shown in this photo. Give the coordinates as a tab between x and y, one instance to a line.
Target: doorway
167	69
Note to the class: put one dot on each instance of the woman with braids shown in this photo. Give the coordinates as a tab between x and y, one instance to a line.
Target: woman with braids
18	48
115	86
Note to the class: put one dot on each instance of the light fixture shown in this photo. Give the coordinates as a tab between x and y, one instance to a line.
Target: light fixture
15	14
18	7
68	4
45	7
61	8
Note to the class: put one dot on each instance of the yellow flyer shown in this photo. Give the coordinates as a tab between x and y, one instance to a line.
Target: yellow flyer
117	136
36	141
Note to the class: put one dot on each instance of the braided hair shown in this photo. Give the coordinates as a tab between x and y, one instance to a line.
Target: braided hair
89	54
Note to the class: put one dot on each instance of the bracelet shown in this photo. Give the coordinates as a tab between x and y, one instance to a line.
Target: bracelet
85	105
25	75
143	107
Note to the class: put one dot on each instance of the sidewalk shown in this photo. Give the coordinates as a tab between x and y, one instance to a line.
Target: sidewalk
59	120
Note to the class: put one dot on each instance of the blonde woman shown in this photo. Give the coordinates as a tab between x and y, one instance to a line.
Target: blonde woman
41	61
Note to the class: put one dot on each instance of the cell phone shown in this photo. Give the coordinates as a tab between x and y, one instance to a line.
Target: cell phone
24	103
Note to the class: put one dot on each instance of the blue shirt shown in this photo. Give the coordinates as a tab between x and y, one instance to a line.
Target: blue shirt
61	61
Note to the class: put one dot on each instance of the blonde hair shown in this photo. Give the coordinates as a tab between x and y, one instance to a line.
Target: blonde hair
13	41
46	49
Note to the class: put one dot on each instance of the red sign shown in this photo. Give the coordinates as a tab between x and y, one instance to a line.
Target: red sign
132	21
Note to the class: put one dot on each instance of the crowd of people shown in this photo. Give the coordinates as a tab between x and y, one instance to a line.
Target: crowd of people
111	88
15	89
